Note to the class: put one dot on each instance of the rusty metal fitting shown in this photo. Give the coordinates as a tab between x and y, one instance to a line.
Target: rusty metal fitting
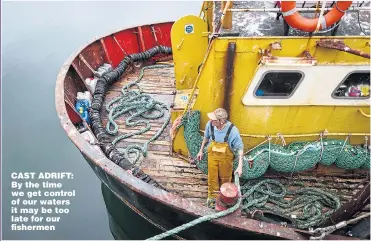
251	163
255	211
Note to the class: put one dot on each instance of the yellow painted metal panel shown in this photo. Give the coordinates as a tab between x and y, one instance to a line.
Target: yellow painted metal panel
178	144
270	120
189	47
210	82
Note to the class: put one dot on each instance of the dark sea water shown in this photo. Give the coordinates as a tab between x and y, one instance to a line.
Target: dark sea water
37	37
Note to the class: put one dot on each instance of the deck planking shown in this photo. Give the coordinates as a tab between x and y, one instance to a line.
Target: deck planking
171	171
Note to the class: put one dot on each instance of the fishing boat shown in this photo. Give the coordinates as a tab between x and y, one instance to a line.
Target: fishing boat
295	80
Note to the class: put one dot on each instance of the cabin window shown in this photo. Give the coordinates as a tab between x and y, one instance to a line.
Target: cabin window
354	85
278	84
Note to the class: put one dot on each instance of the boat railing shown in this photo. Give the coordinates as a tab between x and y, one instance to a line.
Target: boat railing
227	10
302	6
307	9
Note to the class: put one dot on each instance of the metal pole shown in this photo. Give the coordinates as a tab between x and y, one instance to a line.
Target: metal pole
342	47
277	10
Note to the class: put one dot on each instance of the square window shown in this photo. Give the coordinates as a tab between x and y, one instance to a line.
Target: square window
356	85
278	84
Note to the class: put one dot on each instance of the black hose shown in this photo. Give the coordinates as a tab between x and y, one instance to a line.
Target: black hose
98	99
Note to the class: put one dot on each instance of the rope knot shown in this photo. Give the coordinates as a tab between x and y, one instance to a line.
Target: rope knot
282	139
325	132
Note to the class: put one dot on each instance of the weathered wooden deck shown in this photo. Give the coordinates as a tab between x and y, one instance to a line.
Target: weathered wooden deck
174	173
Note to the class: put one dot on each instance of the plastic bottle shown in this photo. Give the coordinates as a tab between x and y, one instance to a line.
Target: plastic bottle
82	106
87	96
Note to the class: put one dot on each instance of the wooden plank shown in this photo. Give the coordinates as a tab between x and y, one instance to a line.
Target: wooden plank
319	179
191	194
147	83
124	144
140	141
183	187
160	153
334	185
154	129
180	169
166	85
169	174
159	91
197	200
143	137
174	161
123	130
182	180
155	124
350	208
168	159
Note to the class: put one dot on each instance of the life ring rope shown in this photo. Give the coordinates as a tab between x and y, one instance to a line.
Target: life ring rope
321	19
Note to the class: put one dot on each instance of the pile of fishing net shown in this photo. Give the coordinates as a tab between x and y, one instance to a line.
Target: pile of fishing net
296	157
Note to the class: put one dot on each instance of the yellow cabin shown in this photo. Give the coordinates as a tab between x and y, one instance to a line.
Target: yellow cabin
291	88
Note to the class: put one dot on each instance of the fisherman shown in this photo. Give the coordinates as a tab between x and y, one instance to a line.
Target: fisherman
225	141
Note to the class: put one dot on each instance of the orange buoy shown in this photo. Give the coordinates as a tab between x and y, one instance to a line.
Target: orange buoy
295	20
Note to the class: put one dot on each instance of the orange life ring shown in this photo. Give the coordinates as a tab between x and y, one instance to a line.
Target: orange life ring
295	20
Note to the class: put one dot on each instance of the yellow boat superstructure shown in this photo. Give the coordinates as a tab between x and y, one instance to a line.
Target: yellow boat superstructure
238	73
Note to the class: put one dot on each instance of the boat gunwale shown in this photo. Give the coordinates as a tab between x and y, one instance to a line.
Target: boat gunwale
170	199
295	37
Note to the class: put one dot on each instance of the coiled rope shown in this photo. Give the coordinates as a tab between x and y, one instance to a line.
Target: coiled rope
270	195
136	104
204	218
99	131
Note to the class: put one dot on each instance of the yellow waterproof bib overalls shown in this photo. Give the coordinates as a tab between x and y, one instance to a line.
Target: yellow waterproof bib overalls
220	163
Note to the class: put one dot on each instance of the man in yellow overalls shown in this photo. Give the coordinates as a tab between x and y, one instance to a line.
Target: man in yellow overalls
225	137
